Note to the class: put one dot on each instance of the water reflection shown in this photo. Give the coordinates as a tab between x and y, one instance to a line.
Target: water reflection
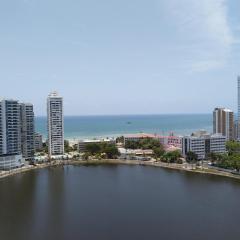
118	202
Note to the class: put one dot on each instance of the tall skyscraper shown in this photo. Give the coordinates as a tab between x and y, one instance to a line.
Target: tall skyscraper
238	98
55	124
27	131
223	122
10	134
237	124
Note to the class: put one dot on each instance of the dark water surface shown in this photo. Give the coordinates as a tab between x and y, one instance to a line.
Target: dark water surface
118	202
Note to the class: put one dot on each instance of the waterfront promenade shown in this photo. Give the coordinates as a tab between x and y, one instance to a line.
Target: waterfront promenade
181	167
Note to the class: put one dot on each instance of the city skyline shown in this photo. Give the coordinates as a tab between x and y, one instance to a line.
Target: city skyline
119	119
104	63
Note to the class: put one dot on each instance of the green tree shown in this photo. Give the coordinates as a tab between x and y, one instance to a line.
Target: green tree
191	157
101	150
158	151
215	157
132	144
86	156
176	155
146	143
75	147
233	147
110	150
172	157
120	139
67	147
149	143
45	147
93	148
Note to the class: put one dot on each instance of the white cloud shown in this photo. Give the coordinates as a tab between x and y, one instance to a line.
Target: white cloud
203	31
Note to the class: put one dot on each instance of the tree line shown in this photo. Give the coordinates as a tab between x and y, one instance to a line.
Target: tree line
159	152
101	151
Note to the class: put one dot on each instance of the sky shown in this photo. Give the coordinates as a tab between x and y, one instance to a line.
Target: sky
121	57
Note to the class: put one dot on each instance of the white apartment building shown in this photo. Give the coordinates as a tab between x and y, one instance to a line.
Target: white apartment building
202	143
55	124
194	144
217	143
10	134
27	131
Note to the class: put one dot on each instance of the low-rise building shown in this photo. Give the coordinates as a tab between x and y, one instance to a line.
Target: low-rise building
8	162
170	141
202	143
135	154
173	148
217	143
138	136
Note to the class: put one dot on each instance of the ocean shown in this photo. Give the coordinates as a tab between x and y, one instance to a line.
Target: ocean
88	127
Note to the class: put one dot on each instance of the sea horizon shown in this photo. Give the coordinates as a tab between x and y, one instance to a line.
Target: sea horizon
103	126
125	114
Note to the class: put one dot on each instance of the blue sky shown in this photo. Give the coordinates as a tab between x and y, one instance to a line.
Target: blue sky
121	57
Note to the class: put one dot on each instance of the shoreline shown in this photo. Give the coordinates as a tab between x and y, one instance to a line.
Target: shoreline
172	166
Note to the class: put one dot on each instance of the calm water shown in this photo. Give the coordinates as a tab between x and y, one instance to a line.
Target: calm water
118	202
110	126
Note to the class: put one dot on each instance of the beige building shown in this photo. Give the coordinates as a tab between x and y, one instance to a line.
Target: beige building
223	122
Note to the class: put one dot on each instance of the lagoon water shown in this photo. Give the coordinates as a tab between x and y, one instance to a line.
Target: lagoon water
118	202
112	126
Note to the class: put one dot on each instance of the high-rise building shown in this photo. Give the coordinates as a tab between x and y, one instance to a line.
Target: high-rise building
10	134
27	131
236	130
55	124
239	98
237	125
223	122
38	142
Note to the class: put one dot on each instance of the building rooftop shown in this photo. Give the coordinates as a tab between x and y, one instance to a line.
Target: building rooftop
224	109
8	99
204	134
54	94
